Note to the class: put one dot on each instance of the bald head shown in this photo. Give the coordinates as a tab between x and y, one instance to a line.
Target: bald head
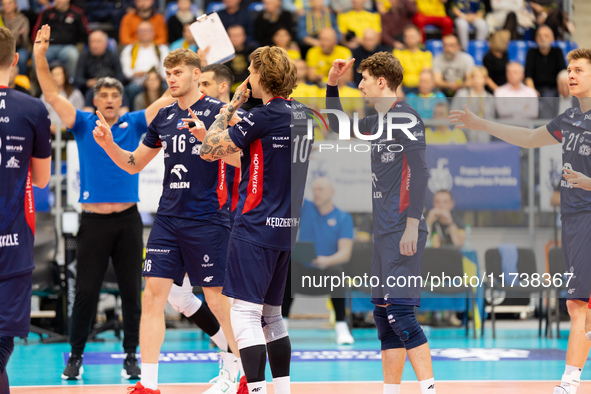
515	74
98	42
544	37
328	40
323	191
371	39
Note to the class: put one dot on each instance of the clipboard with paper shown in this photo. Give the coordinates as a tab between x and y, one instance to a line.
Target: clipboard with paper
209	31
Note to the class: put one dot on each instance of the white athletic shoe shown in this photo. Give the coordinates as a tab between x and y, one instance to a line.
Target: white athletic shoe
561	390
226	381
344	336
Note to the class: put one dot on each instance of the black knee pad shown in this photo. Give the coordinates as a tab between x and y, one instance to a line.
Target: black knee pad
386	335
404	322
6	347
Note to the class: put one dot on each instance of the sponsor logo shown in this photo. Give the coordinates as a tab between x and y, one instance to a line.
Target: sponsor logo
12	163
440	178
196	149
285	138
571	291
14	148
587	117
256	389
8	240
4	119
418	133
159	251
331	222
377	195
250	122
299	115
206	258
180	185
170	116
585	150
577	124
176	170
391	319
388	157
208	279
15	138
279	146
180	125
206	112
192	140
241	130
282	222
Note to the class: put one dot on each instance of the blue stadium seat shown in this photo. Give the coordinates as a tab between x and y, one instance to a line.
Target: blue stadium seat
256	7
566	46
478	48
518	50
215	7
434	46
173	7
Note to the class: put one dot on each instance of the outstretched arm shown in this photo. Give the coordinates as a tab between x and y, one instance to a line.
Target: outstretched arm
520	136
132	162
61	105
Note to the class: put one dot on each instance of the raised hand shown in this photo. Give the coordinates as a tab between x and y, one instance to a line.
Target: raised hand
242	94
41	44
195	126
465	119
577	179
102	132
338	69
235	118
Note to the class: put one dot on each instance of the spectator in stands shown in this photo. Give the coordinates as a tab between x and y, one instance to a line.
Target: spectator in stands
496	59
95	62
477	99
320	58
19	25
442	221
67	90
426	98
271	19
370	44
342	6
282	39
395	19
469	13
353	24
239	65
511	15
187	41
311	22
452	66
144	11
152	91
176	22
331	231
432	12
303	89
68	28
550	13
234	14
140	57
515	100
543	64
413	58
12	81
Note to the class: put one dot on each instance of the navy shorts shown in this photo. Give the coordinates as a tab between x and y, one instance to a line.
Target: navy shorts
15	308
177	246
399	276
256	274
577	249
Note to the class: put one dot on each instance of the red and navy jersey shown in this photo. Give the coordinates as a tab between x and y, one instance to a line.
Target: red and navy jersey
391	174
24	133
233	176
573	130
275	155
192	188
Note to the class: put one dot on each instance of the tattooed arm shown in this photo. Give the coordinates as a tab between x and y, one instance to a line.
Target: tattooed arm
217	142
132	162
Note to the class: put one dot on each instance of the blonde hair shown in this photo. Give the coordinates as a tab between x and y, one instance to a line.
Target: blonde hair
7	47
499	41
182	57
580	53
277	72
480	69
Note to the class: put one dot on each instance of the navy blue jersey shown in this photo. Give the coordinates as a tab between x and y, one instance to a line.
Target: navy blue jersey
192	188
391	175
571	129
118	185
24	133
274	163
232	175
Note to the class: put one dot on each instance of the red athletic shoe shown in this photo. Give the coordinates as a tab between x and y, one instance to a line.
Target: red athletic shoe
242	387
139	389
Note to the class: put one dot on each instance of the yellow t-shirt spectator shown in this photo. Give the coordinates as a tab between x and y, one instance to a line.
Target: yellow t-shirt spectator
453	136
322	63
413	63
304	90
431	7
358	22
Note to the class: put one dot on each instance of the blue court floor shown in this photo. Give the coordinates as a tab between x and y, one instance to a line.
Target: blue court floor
516	354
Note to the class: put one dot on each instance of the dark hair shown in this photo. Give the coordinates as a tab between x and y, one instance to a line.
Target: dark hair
221	73
68	87
7	47
278	74
107	82
145	87
384	65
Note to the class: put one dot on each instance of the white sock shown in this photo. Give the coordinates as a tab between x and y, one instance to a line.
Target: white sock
150	376
281	385
571	378
220	340
427	386
391	388
257	387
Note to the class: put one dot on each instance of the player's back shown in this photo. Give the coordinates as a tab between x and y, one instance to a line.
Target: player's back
23	122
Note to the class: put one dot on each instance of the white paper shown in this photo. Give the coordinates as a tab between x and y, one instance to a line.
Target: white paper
209	31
